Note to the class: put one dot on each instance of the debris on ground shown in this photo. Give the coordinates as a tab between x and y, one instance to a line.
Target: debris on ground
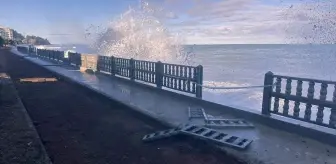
205	131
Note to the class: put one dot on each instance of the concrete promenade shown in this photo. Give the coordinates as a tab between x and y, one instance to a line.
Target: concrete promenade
270	145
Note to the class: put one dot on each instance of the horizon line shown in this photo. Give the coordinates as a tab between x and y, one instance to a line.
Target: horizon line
223	44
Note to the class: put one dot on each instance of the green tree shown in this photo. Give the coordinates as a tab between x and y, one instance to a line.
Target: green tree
2	42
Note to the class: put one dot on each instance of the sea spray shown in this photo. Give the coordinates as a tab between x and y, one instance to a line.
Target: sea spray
312	22
140	33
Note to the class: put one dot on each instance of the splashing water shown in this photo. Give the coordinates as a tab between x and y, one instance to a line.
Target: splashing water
312	22
140	33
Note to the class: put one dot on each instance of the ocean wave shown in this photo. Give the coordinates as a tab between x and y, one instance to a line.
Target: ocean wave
49	47
140	33
224	84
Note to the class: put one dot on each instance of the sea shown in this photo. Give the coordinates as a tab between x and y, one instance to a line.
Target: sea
244	65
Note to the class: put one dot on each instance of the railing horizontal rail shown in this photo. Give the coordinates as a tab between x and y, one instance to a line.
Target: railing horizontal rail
122	66
144	61
303	119
305	79
184	90
181	78
178	65
320	109
145	71
302	99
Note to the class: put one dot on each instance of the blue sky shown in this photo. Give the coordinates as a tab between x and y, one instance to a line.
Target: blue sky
199	21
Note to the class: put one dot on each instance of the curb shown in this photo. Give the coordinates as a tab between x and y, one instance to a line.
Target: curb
44	156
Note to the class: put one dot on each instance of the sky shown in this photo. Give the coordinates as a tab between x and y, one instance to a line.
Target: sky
198	21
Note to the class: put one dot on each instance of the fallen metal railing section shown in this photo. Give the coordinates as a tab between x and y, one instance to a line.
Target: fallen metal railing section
218	122
206	131
161	134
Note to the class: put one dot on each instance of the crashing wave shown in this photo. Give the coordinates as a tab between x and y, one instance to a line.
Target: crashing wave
140	33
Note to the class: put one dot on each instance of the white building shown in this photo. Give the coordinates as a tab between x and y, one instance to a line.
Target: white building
6	33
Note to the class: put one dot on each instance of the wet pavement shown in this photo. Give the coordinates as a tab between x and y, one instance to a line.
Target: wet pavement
269	146
78	126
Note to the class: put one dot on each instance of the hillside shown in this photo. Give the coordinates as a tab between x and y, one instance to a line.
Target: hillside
30	39
35	40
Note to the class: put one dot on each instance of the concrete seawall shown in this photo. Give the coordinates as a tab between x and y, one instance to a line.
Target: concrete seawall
77	125
270	145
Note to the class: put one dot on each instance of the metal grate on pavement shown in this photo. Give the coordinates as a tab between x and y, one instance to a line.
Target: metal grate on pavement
196	113
161	134
216	136
227	123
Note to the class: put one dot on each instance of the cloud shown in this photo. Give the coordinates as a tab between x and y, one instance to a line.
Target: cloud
253	21
313	22
229	20
206	10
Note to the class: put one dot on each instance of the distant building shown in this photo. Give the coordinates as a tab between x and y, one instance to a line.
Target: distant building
6	33
3	33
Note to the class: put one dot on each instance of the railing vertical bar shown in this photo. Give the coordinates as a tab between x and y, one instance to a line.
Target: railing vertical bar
276	99
310	95
287	92
267	94
323	97
296	112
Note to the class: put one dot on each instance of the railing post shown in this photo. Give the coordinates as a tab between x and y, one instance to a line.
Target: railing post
113	66
69	57
159	74
60	56
57	56
332	119
49	54
79	61
199	81
99	62
132	69
267	94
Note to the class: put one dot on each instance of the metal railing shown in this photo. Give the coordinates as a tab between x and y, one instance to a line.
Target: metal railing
182	78
177	77
23	49
312	108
